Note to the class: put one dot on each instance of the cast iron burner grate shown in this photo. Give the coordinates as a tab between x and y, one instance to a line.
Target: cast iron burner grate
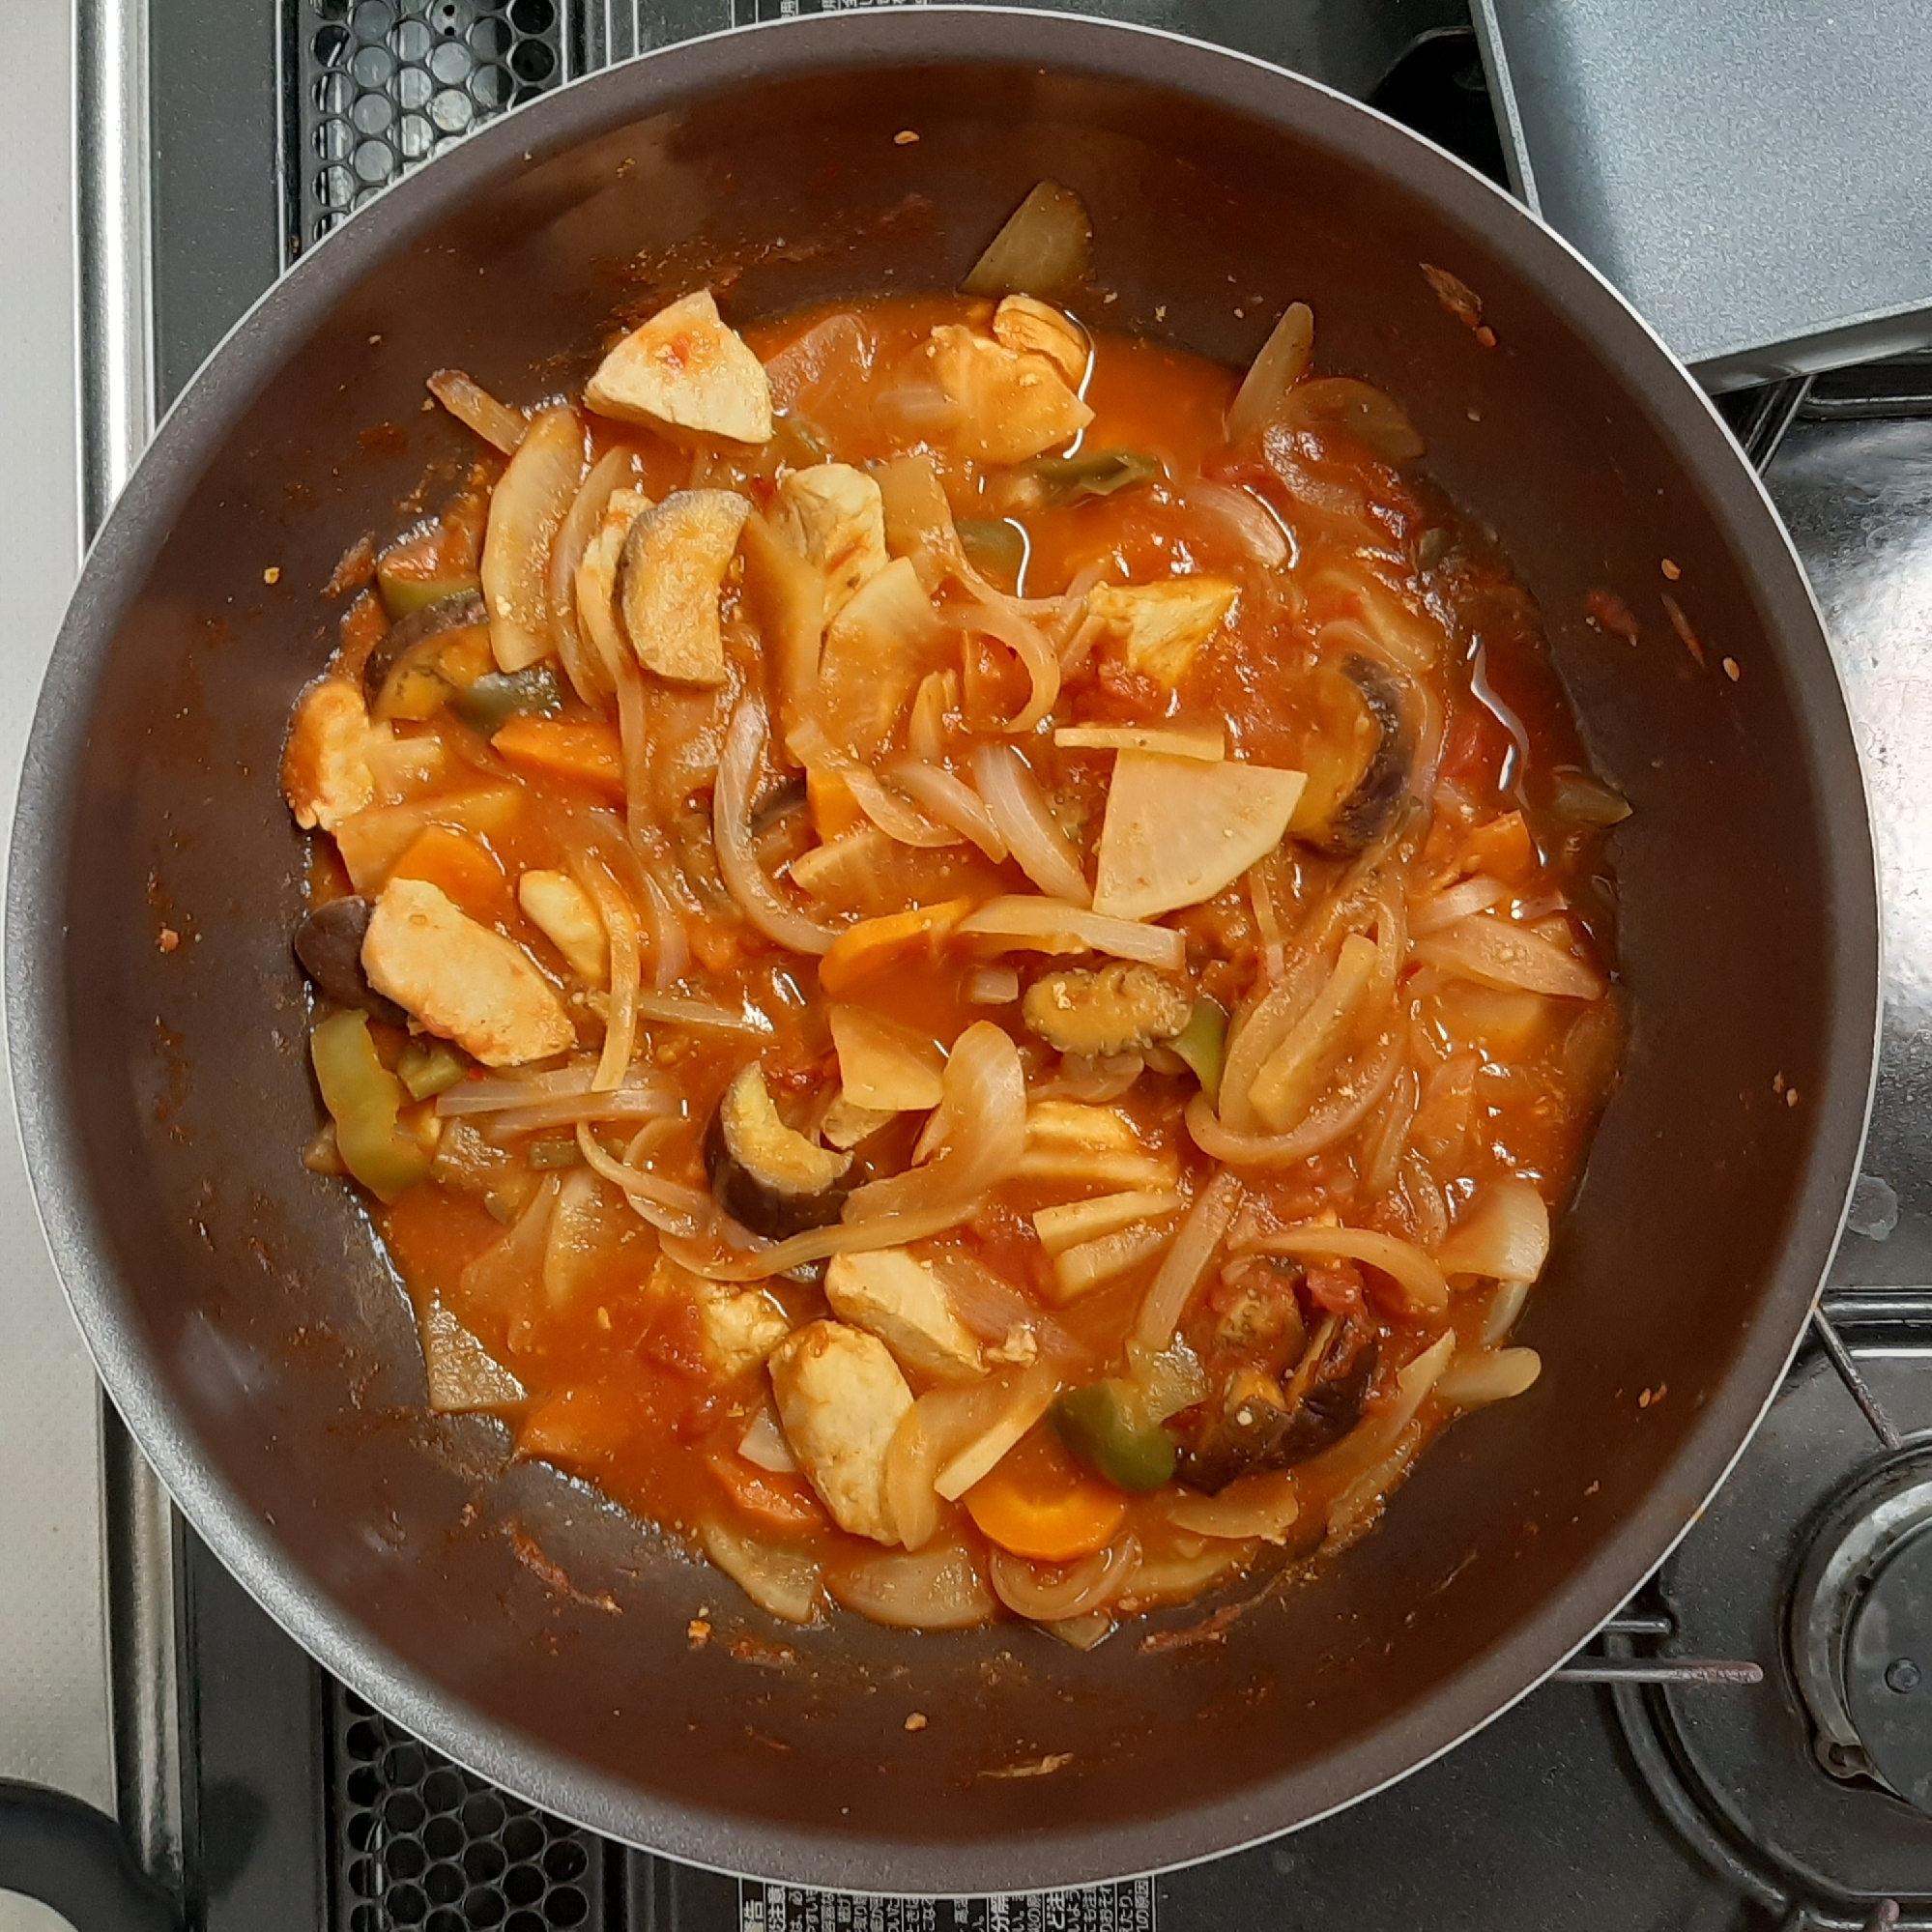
418	1843
379	85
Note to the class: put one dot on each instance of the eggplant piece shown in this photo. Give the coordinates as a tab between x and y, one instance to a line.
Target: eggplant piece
1324	1401
454	613
1118	1008
328	947
1360	816
765	1175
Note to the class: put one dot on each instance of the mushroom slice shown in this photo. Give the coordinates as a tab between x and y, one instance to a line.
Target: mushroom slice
686	371
765	1175
674	567
1118	1008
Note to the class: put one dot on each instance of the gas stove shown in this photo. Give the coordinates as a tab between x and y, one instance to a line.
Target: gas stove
1748	1745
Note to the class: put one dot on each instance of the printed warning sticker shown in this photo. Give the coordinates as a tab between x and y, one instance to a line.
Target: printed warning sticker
1128	1907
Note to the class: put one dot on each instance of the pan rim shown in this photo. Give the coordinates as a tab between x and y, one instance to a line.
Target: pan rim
256	348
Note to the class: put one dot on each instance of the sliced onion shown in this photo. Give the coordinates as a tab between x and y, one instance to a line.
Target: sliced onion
1187	1261
891	814
1083	1634
1181	1574
1092	1081
924	1590
1402	1261
999	619
1388	1137
475	408
670	948
1050	1594
1444	908
1018	808
683	1206
730	828
1375	1434
1488	1376
1262	1505
783	1581
1495	952
1502	1310
1282	362
624	1104
1503	1234
764	1446
1257	1032
1246	518
949	800
992	986
1053	925
495	1096
527	510
1027	1396
1286	1084
979	1137
679	1011
1355	1097
611	471
619	922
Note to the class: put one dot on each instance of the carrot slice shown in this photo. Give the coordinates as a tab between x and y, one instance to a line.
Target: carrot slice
461	867
778	1501
874	944
587	751
1039	1503
1503	848
834	809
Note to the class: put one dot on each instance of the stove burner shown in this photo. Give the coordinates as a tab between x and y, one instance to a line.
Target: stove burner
1860	1631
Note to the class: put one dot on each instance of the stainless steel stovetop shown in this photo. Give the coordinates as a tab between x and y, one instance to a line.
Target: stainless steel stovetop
1695	1770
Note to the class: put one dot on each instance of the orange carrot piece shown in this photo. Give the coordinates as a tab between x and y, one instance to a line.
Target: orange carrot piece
776	1500
834	809
874	944
585	750
462	868
1037	1502
1503	848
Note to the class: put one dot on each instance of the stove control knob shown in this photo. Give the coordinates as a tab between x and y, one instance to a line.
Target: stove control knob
1888	1664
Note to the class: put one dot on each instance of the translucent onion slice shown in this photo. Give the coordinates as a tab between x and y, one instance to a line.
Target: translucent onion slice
1018	808
1430	914
902	823
1050	1594
1503	1234
1187	1261
1494	952
494	1096
924	1590
1405	1264
566	1111
475	408
640	1183
619	923
1488	1376
1246	518
948	800
582	663
527	510
1053	925
1281	363
1375	1436
1000	617
679	1011
730	829
786	1582
1262	1505
1355	1097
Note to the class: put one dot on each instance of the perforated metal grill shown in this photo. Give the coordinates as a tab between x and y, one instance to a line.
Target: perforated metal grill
419	1844
379	85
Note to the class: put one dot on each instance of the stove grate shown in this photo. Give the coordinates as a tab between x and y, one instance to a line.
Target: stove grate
419	1844
375	86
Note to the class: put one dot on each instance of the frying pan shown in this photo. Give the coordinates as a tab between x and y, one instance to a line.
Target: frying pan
259	1349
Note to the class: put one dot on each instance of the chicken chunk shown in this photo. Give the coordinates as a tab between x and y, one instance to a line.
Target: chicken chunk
900	1299
1012	405
836	516
1026	325
1161	626
739	1327
326	775
684	368
840	1398
1116	1008
675	560
460	979
567	915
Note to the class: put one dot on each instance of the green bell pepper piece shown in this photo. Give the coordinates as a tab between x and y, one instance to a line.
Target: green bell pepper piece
498	696
364	1098
1104	1426
403	594
994	546
1099	472
429	1066
1202	1043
